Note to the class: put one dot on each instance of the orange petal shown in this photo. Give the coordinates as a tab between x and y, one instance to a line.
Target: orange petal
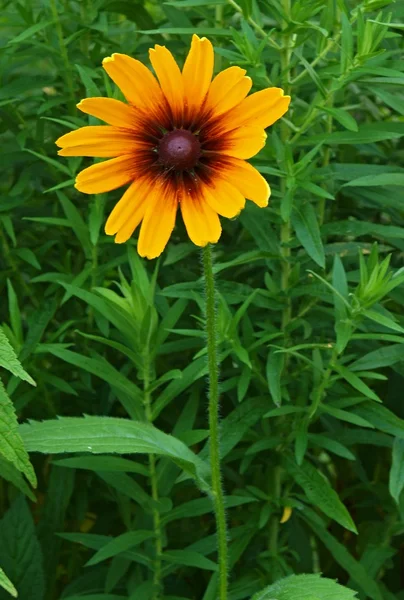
136	82
261	109
170	78
249	182
201	221
227	90
99	140
106	176
243	142
158	222
224	198
197	72
109	110
128	212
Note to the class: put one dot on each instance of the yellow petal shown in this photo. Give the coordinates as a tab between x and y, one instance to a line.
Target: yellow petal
224	198
106	176
287	513
99	140
128	212
158	222
261	109
249	182
201	221
136	82
197	72
227	90
170	78
243	142
109	110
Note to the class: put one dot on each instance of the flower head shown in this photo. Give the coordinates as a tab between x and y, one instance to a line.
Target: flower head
181	141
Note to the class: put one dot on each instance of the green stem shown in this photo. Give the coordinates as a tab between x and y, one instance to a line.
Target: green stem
274	525
285	135
65	58
213	368
157	570
322	388
254	25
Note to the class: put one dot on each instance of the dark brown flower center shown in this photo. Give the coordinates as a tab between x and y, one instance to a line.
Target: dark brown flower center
179	149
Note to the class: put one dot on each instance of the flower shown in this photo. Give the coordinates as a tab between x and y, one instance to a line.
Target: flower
180	141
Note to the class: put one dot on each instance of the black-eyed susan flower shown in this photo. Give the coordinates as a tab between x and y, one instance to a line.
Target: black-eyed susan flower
181	141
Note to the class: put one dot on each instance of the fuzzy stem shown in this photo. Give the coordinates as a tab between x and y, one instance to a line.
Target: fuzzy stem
63	53
214	434
154	485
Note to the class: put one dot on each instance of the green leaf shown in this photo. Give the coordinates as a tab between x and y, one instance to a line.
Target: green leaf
101	435
342	116
6	584
101	368
92	89
383	320
366	134
396	179
396	479
381	418
103	463
342	556
305	223
274	367
344	415
202	506
305	587
9	360
319	492
331	445
383	357
123	542
30	31
356	382
20	552
78	225
11	474
189	558
11	445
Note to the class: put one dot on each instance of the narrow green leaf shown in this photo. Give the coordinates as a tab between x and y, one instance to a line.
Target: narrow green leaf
9	360
6	584
396	479
319	492
305	223
274	367
396	179
100	435
101	368
342	116
342	556
305	587
356	382
20	552
11	445
120	544
189	558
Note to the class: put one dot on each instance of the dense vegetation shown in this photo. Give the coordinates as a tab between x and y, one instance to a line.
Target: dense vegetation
310	321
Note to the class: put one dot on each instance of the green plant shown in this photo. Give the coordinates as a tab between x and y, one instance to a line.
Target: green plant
309	322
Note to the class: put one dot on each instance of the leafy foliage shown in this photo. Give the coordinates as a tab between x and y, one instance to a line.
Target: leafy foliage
309	321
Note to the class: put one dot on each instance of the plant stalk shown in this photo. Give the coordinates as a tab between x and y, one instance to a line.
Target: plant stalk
64	55
214	433
157	570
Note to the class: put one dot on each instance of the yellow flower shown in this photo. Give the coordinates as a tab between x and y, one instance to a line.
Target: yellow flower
180	141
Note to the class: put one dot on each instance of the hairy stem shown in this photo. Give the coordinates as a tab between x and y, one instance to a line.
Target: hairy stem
213	368
65	58
157	570
285	135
